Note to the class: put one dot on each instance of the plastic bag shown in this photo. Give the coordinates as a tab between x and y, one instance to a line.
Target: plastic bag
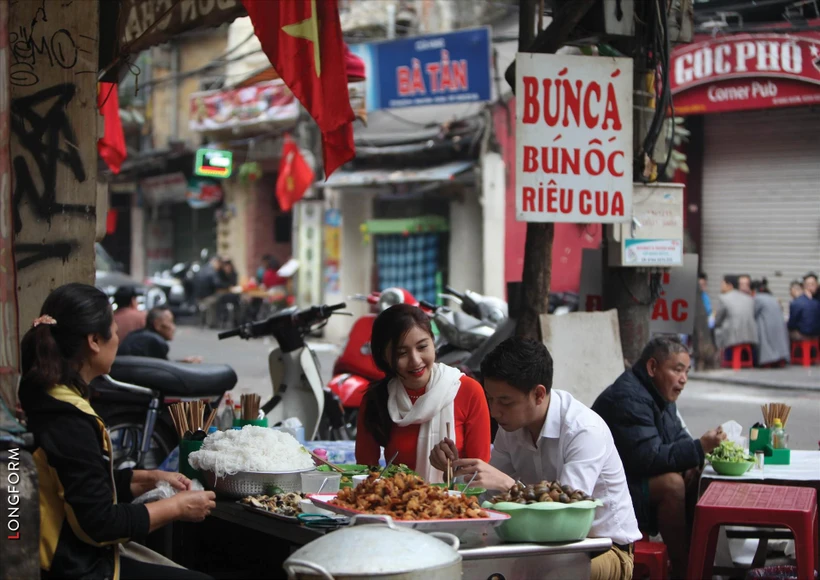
163	490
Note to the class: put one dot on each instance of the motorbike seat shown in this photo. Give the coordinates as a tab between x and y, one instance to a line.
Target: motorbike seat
464	322
173	378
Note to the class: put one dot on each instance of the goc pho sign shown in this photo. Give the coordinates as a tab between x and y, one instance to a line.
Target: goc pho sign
573	139
746	71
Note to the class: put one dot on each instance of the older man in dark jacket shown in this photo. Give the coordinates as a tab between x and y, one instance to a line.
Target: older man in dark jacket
662	461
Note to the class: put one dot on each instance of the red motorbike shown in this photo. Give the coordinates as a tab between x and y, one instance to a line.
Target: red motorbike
354	370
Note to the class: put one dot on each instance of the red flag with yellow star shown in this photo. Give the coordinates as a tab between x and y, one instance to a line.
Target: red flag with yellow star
295	175
303	41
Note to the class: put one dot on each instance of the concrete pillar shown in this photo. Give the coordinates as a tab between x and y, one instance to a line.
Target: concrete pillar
465	259
493	202
54	131
9	339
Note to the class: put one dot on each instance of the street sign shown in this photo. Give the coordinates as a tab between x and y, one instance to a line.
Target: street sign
573	139
435	69
213	163
674	310
746	71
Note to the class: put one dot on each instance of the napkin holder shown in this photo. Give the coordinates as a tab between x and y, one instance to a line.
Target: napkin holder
759	439
777	456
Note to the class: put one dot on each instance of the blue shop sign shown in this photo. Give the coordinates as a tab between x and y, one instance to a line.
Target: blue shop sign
435	69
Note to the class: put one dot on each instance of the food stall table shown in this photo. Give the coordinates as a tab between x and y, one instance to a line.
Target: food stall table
234	542
803	471
489	557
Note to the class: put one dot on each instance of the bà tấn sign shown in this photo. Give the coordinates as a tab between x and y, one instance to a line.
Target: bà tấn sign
573	139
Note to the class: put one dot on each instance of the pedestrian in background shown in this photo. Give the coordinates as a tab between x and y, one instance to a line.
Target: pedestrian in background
772	334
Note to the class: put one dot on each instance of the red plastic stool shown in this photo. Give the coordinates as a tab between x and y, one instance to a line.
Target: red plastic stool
651	560
742	357
804	348
755	505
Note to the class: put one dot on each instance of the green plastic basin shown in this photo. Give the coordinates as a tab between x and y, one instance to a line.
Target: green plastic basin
731	467
545	521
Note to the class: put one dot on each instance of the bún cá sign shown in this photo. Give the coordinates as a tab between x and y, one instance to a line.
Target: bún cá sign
573	138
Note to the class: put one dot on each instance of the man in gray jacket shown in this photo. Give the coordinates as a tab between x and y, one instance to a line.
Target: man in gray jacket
734	316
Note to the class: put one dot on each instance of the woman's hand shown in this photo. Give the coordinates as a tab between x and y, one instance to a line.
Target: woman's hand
194	506
442	452
145	480
488	476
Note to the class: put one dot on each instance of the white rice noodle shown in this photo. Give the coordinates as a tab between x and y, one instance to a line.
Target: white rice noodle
250	449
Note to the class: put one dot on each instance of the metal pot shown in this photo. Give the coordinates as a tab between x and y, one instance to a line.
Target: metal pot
378	550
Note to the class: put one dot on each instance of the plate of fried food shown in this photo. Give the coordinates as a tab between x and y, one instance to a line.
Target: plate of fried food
411	503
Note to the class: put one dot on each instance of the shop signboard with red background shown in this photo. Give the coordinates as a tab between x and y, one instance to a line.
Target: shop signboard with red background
746	71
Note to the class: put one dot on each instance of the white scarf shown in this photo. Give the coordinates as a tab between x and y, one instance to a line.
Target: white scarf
432	411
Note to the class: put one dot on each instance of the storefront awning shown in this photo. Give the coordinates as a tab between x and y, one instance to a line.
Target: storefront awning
386	176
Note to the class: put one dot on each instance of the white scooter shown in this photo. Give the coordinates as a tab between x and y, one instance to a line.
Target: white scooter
294	368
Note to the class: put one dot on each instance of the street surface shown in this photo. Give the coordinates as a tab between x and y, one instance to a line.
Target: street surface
704	405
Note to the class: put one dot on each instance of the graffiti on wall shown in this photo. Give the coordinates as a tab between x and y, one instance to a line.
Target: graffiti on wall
50	141
53	120
9	349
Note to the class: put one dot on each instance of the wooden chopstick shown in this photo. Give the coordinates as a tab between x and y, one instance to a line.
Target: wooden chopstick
325	462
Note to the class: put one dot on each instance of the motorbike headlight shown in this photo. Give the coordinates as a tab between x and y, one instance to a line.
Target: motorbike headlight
154	297
389	297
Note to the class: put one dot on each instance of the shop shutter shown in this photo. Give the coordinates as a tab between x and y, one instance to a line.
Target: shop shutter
761	196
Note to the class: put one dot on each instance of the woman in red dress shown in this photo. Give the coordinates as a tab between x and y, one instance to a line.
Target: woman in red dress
408	411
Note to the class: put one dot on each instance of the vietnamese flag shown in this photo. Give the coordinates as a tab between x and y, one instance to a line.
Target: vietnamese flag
303	41
295	175
111	147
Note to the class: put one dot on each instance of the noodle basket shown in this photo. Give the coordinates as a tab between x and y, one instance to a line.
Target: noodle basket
246	483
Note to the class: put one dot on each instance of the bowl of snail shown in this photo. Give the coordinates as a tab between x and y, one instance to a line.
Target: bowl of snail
544	512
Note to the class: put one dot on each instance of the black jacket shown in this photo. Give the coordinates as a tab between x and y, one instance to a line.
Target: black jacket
648	434
144	342
81	520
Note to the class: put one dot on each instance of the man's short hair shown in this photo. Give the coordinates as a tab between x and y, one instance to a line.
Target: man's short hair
810	275
124	296
703	276
155	314
733	280
520	362
661	348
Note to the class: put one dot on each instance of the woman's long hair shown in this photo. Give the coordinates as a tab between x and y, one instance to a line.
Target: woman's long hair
389	329
52	354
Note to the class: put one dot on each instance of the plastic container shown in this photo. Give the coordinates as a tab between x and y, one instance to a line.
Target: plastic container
239	423
186	447
312	481
780	439
731	467
545	521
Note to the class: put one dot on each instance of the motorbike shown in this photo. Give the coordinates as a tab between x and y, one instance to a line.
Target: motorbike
179	285
294	370
133	401
463	332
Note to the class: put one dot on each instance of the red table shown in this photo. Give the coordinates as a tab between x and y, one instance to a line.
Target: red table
760	505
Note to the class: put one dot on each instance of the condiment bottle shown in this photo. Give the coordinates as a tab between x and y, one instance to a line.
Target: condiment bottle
780	439
226	414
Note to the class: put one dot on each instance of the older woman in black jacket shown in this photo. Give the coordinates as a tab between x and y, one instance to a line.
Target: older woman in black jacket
662	461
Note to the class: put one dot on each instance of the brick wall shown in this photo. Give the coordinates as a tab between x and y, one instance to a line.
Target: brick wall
261	224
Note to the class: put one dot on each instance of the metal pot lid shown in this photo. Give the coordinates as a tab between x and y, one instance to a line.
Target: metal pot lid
378	548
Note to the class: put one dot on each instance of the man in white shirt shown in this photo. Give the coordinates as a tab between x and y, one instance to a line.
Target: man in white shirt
547	435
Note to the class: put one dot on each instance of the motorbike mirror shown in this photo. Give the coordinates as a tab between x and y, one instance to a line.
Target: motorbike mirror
452	298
